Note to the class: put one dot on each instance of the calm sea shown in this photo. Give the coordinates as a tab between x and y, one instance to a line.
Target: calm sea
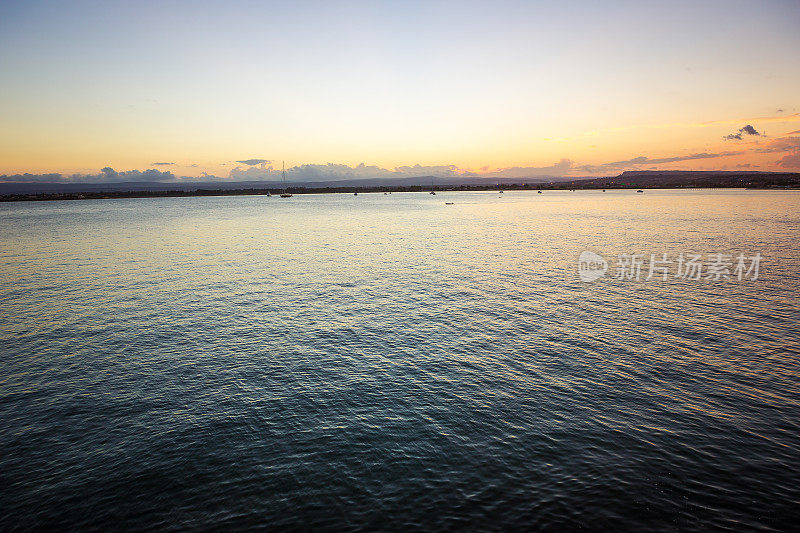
392	362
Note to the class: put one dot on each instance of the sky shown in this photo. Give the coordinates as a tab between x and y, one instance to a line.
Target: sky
112	90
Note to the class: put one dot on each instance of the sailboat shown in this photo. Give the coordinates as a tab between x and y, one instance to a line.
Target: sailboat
284	194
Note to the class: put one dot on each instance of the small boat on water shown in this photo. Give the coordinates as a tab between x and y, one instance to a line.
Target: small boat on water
285	193
640	190
540	192
448	203
355	194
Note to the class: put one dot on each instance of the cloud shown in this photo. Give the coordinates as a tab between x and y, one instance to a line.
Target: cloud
636	162
32	178
790	161
204	176
796	132
750	130
787	146
793	117
642	160
628	162
556	169
784	144
335	172
253	173
106	175
693	156
441	171
305	172
747	130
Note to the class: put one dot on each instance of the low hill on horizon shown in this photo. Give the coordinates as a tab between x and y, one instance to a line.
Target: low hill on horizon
687	178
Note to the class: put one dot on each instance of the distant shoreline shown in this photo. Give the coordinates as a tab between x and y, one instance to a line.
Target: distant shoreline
111	195
20	191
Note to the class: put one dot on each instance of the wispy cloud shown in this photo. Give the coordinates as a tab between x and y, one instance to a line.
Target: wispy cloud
646	160
794	117
784	144
162	164
557	169
790	161
636	162
253	162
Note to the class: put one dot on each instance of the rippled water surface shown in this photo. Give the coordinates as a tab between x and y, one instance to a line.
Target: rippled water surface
389	361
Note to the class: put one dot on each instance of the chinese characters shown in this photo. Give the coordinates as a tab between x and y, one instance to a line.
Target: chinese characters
686	266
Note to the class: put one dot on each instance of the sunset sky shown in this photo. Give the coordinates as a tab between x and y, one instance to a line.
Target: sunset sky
511	89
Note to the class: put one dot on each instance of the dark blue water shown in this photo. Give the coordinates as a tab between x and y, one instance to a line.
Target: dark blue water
389	362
